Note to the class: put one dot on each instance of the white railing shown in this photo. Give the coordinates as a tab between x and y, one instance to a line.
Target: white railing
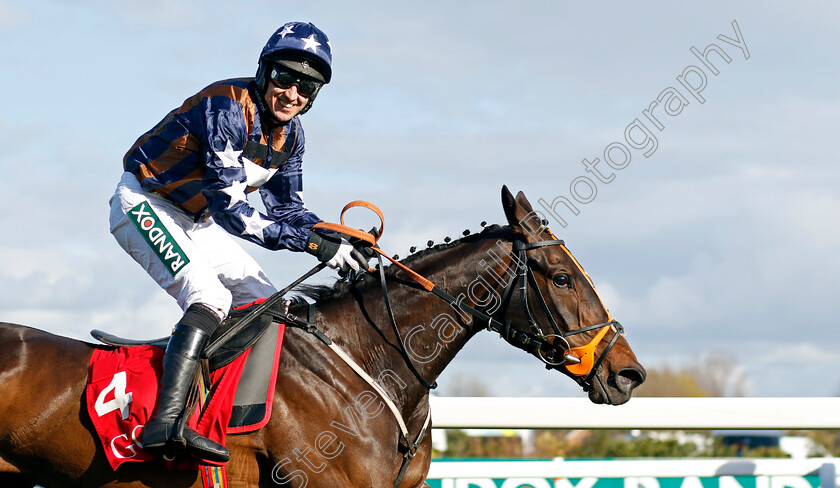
638	413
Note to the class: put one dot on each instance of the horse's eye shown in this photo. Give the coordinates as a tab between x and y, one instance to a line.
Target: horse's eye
562	280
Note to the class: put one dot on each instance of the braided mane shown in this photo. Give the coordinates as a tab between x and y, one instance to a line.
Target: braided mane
359	281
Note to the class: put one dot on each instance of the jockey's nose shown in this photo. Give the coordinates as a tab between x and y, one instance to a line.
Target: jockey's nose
292	93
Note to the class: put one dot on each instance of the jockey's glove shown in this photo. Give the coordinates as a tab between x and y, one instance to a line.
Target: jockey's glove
339	251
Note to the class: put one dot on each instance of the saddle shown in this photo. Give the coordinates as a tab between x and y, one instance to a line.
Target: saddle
223	356
234	396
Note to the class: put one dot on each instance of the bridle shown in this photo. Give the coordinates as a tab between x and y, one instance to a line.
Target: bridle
557	352
552	349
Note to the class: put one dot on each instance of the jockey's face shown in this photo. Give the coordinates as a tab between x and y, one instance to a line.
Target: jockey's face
284	103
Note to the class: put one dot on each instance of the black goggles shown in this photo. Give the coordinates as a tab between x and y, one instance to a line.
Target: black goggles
285	79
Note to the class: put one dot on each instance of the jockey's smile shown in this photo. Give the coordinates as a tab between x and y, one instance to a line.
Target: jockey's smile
284	103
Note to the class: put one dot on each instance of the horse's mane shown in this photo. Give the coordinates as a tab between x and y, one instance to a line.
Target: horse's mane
359	281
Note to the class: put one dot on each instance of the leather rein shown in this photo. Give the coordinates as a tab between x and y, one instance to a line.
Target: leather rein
552	349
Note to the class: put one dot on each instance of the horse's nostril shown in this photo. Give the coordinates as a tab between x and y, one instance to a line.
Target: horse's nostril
629	378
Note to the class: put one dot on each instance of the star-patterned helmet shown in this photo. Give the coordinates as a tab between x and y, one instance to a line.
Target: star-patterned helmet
301	47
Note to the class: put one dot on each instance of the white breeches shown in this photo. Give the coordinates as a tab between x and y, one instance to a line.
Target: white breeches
193	262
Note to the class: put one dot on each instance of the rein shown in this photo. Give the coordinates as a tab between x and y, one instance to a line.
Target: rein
579	361
552	349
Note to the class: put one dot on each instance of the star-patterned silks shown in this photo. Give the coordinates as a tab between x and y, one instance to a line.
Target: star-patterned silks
254	225
231	174
256	175
311	43
229	158
236	193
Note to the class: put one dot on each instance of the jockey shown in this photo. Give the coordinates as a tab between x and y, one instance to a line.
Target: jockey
184	191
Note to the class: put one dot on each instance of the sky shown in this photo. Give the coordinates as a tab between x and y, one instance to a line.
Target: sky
709	228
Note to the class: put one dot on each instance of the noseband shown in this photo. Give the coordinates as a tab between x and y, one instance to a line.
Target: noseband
552	349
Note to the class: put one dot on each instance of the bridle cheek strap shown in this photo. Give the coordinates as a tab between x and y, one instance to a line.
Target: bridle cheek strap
578	361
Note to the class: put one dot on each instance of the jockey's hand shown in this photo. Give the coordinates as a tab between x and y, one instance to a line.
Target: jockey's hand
336	250
364	247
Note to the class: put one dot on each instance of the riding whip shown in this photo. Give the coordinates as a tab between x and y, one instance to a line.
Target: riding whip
216	344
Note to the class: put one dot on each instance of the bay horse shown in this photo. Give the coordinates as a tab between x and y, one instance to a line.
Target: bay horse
329	427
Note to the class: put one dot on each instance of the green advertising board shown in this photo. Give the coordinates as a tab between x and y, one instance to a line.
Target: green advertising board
809	481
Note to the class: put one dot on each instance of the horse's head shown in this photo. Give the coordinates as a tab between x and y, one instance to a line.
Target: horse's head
551	302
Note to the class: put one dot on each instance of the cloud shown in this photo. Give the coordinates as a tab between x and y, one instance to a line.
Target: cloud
798	353
157	13
12	17
725	235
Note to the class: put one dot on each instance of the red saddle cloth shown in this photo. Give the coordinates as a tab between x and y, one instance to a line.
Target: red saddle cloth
122	390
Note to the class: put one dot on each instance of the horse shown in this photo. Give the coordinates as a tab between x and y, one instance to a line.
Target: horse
329	426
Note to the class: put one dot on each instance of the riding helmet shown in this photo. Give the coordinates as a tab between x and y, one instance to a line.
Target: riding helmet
300	47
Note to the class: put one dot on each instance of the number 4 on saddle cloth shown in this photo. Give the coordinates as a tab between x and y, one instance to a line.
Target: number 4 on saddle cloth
235	397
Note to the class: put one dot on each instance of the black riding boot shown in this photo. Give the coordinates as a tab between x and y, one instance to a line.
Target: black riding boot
180	364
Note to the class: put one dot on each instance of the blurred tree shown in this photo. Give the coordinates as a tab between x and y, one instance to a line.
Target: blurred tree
828	439
720	375
460	445
719	449
615	444
550	444
665	382
714	374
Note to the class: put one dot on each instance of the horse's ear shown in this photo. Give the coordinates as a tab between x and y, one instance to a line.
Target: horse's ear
508	203
519	212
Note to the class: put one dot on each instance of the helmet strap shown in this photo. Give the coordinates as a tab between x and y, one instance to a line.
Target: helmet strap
261	84
262	77
265	113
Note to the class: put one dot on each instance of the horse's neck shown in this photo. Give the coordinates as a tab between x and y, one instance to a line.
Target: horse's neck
462	272
432	329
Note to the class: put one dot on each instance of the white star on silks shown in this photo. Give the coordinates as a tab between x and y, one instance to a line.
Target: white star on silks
236	192
286	31
229	157
311	43
254	225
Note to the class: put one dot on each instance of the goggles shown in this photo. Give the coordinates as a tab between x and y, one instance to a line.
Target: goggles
285	79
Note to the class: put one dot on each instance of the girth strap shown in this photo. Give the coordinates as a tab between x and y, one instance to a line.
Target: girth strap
411	450
411	445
